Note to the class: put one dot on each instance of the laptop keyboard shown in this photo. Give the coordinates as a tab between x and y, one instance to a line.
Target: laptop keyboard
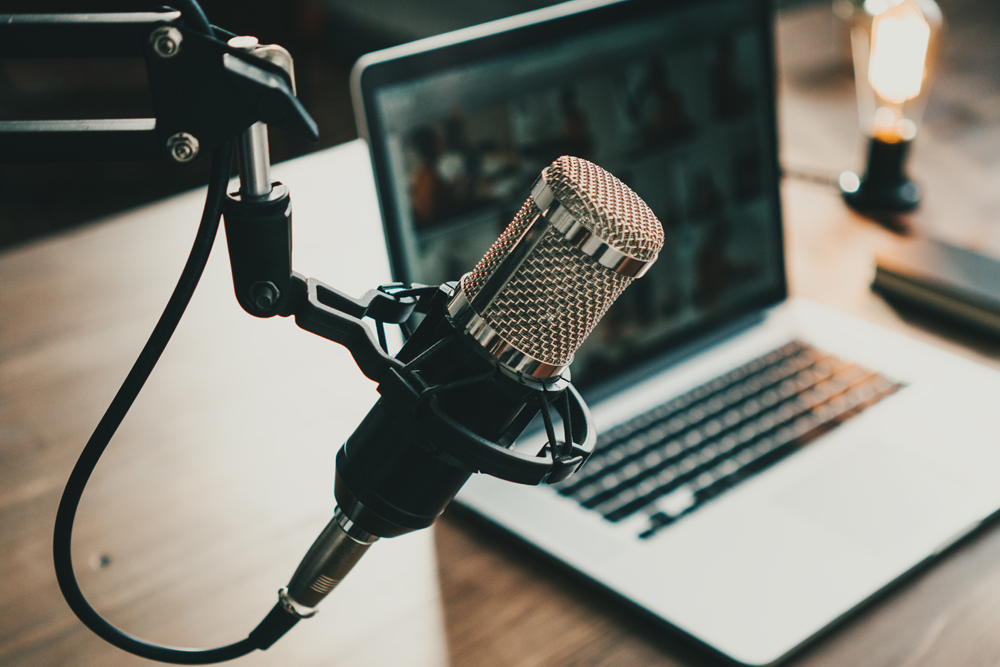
669	461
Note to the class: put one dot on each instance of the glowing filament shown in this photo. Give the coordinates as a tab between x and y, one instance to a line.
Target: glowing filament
900	36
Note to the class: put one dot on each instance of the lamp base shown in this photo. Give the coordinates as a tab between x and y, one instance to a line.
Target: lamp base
885	187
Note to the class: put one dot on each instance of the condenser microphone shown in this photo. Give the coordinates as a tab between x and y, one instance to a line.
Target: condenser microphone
492	353
575	245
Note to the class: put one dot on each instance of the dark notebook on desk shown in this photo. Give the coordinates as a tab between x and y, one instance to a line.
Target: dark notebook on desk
942	279
766	465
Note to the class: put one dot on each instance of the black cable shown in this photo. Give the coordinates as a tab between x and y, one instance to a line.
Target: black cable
278	621
112	419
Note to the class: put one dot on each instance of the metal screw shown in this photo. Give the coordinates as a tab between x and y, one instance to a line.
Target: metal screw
166	41
183	147
243	42
264	295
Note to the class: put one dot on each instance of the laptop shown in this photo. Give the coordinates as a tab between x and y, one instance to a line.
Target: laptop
766	465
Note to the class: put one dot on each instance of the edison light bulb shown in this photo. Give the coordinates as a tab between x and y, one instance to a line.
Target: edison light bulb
893	43
900	36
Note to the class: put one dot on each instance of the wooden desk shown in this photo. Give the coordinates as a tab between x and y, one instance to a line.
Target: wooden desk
222	474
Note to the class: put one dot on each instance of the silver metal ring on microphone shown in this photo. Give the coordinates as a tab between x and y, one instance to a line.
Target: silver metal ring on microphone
471	323
579	236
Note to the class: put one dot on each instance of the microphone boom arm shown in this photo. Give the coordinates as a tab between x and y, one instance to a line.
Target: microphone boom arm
204	90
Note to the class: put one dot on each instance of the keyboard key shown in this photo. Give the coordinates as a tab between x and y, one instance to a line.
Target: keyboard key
686	451
675	503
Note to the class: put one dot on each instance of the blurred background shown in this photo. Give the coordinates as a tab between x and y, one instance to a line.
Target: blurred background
325	37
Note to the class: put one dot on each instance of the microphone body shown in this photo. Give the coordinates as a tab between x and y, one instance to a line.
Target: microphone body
395	474
492	352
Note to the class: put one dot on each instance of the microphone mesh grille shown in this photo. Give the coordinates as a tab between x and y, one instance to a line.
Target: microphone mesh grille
474	281
606	206
558	294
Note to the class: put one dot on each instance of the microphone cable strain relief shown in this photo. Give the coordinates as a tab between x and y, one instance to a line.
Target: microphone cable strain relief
274	626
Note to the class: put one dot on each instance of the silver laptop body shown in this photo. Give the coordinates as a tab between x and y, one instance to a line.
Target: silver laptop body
743	513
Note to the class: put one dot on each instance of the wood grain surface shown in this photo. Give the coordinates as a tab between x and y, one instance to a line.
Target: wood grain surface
221	475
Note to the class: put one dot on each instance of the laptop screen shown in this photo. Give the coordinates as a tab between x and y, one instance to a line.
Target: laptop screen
673	98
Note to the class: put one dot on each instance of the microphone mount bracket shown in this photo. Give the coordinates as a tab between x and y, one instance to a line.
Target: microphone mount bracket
331	314
204	91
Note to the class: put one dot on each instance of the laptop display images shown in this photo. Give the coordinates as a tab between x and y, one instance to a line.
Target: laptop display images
677	102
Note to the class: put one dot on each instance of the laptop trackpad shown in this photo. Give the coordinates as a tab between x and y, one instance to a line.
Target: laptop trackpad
883	500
